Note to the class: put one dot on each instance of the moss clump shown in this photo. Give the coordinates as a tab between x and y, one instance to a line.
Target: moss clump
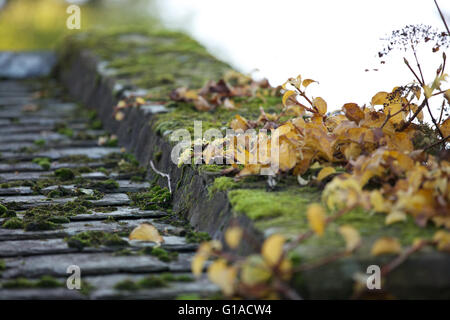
156	198
105	209
222	184
96	124
197	237
64	174
43	162
48	282
60	192
106	185
3	209
161	254
41	225
95	239
258	204
39	142
13	223
23	283
2	266
152	281
19	283
127	285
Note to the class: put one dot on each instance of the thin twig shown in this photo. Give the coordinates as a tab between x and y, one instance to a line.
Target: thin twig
442	17
419	109
162	174
402	257
437	143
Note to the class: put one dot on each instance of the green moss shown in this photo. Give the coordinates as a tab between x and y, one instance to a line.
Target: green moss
48	282
157	156
259	204
222	184
95	239
152	281
13	223
64	174
96	125
43	162
126	285
2	265
105	209
197	237
39	142
41	224
156	198
160	253
3	209
19	283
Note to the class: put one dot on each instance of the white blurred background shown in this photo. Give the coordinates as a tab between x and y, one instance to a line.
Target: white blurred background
330	41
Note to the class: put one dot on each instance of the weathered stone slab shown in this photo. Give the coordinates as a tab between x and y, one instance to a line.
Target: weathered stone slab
21	248
73	228
90	264
17	87
104	288
16	191
14	101
120	213
31	137
20	65
30	166
45	110
14	129
24	202
41	294
124	187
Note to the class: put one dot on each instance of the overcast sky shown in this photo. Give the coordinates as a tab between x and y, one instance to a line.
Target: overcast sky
330	41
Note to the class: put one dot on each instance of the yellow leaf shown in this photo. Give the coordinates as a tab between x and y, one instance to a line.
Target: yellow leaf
255	271
320	105
286	156
386	245
146	232
223	276
445	127
353	112
272	249
379	98
395	216
428	91
197	264
286	96
201	104
442	239
119	116
122	104
140	100
307	82
233	236
351	236
203	253
447	95
316	218
417	92
325	172
395	109
239	123
377	201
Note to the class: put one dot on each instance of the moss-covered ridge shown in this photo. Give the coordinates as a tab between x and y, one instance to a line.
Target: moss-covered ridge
160	61
201	194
